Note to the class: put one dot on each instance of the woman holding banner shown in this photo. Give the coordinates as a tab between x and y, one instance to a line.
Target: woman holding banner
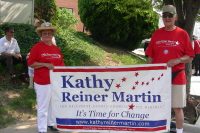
172	45
43	57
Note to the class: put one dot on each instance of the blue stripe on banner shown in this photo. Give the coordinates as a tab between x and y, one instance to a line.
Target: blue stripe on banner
108	122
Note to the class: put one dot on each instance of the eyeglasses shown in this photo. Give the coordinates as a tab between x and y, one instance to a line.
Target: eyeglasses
47	33
169	16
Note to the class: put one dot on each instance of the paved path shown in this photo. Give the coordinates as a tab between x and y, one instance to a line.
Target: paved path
195	86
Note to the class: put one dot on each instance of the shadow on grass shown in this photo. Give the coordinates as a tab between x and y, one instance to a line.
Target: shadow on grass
5	117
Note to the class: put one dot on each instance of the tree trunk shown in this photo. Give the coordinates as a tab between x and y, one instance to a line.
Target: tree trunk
188	72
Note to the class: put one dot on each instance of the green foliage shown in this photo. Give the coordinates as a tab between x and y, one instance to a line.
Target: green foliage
123	23
47	10
24	34
66	19
78	48
128	59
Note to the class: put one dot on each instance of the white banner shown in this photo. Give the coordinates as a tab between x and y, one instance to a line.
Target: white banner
133	98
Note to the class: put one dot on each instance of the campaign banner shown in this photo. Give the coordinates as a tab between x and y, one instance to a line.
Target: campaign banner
135	98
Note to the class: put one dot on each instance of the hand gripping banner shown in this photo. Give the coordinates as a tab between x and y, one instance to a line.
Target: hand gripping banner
134	98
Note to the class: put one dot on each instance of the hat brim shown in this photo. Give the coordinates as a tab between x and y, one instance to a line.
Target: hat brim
169	12
39	30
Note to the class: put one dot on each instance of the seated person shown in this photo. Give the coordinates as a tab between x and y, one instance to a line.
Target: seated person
10	55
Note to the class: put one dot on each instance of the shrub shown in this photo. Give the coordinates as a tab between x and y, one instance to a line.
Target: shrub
66	19
123	23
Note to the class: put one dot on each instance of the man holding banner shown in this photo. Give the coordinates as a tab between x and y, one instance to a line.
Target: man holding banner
172	45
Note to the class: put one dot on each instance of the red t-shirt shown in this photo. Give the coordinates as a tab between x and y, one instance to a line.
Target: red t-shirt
197	47
166	45
45	54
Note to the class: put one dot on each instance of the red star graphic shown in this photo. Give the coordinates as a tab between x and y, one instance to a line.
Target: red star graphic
159	78
147	83
124	79
118	85
142	83
152	79
136	74
136	83
131	106
133	88
162	74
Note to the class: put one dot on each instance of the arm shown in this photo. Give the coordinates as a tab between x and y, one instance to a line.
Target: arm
37	65
184	59
149	60
17	55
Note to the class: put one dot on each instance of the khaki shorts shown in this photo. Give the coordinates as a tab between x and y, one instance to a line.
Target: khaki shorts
178	96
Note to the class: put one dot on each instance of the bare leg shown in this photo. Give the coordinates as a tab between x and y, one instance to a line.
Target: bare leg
179	116
30	82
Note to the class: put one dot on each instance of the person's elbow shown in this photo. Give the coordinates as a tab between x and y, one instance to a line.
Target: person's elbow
3	53
32	65
190	59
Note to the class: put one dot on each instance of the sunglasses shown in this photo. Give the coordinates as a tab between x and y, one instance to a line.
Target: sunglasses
12	32
169	16
47	33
